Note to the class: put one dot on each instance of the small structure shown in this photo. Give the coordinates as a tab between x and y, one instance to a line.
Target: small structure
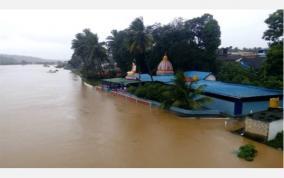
165	67
237	99
264	124
131	75
117	83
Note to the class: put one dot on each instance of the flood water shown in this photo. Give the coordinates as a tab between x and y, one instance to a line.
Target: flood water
55	120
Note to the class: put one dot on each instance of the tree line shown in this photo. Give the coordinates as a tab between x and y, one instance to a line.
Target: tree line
190	45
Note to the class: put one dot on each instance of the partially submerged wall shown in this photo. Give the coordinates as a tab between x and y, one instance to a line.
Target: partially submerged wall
256	127
274	128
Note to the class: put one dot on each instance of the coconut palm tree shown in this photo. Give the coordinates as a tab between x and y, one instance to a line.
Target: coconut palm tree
93	53
118	49
184	95
139	41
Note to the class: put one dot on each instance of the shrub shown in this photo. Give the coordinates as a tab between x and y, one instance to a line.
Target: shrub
247	152
141	92
155	90
277	142
131	89
152	91
183	95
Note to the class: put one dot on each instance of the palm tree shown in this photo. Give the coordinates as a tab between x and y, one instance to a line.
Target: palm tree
139	41
184	95
93	53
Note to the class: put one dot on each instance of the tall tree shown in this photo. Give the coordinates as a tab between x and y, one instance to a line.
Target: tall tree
117	44
93	53
274	35
190	44
275	27
138	42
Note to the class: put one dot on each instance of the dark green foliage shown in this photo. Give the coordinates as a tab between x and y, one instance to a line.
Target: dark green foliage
275	27
138	41
91	52
273	66
76	61
117	44
152	91
247	152
234	73
131	89
179	95
190	44
141	92
183	95
277	142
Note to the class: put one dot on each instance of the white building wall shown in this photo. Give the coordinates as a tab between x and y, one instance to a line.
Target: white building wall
274	128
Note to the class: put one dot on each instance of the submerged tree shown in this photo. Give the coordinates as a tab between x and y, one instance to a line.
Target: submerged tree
184	95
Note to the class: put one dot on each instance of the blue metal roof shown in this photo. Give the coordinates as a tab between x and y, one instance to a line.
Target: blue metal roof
217	87
201	75
144	77
158	78
235	90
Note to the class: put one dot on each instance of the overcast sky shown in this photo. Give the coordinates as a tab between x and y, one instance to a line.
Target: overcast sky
48	33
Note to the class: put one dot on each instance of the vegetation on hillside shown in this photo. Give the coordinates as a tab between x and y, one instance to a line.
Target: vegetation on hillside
7	59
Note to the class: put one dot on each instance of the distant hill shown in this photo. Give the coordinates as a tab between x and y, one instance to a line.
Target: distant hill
7	59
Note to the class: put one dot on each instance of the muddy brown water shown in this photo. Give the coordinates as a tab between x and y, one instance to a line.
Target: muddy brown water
54	120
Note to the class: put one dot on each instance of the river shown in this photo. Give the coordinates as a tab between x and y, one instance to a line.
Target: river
55	120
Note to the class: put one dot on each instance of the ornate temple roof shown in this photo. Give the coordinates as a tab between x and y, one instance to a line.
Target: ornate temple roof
165	67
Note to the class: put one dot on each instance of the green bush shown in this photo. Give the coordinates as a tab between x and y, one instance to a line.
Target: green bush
247	152
277	142
151	91
131	89
141	92
180	95
155	91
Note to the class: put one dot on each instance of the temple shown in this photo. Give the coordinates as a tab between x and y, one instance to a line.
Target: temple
227	98
165	67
